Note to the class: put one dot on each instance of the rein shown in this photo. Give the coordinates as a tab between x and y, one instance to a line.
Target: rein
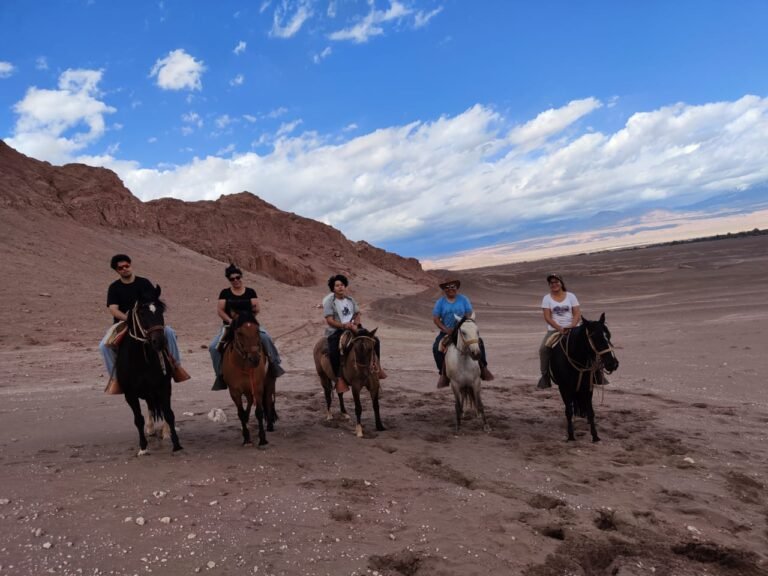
593	367
358	365
141	334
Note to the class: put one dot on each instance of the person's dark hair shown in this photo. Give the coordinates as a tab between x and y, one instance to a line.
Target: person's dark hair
117	258
232	269
340	277
558	277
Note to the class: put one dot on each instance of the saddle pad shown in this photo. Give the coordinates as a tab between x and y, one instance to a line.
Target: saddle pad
553	339
115	333
443	346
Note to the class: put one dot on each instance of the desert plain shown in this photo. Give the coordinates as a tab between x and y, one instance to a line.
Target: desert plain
676	487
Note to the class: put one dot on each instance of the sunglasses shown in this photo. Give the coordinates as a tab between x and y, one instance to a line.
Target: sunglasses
233	278
451	287
123	267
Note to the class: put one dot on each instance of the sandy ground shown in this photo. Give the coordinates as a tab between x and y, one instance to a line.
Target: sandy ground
677	486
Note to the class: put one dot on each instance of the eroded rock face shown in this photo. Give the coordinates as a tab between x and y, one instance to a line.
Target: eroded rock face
239	228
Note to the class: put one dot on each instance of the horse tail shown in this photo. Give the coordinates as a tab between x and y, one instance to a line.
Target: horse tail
154	408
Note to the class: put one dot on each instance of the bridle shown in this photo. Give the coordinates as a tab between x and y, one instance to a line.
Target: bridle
364	366
592	367
238	346
463	344
137	331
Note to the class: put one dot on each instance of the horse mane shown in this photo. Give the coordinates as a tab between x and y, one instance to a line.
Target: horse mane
454	338
243	318
151	297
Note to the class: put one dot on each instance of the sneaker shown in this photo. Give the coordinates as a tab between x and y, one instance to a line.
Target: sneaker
544	383
443	381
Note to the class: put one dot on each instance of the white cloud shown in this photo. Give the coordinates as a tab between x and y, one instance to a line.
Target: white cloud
6	69
317	58
551	122
56	124
384	184
370	25
289	17
421	18
178	71
41	63
240	48
237	80
223	121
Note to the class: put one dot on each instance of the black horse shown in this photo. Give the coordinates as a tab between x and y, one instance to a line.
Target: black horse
577	364
143	367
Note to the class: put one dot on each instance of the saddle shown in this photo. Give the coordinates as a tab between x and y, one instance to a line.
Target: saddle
553	339
447	339
346	338
116	333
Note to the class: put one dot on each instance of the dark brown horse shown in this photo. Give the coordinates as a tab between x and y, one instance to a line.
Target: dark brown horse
359	370
144	368
245	369
576	365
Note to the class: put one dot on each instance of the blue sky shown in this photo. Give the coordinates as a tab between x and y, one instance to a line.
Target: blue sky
427	127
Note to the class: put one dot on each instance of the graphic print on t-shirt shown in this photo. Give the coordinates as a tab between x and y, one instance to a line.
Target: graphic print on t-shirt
560	310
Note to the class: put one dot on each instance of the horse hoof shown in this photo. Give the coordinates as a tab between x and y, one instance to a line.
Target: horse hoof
178	447
247	443
328	417
380	428
359	431
142	453
263	444
595	439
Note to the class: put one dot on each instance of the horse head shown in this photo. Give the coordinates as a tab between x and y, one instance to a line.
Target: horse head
468	336
148	320
362	346
246	337
599	338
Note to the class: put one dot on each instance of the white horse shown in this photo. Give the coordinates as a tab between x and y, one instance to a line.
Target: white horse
462	367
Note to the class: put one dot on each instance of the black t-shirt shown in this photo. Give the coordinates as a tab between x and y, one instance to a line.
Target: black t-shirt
126	295
234	302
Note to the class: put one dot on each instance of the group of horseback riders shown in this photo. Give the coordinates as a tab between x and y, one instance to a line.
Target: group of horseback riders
341	312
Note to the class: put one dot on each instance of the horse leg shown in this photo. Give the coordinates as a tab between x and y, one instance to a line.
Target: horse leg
149	423
170	421
569	420
342	408
358	411
243	413
591	419
260	420
268	402
479	408
459	405
377	417
138	420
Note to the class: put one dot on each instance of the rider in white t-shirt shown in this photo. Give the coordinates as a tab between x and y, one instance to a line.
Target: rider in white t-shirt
561	313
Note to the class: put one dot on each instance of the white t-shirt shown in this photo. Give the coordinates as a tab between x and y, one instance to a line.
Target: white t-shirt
562	312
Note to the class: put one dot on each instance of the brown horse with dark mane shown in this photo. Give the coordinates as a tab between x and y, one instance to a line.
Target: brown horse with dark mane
358	369
245	369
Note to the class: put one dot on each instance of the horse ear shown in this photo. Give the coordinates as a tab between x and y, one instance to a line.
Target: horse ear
458	318
157	291
602	318
372	332
472	317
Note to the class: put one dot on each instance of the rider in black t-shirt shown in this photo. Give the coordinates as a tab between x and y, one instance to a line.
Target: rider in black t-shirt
121	297
239	297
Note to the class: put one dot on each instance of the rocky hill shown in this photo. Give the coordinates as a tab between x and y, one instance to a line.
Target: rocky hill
239	228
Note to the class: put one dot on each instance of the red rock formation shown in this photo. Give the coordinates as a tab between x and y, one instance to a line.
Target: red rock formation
239	228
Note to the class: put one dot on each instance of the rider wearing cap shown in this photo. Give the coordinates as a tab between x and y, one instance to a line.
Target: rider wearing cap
447	307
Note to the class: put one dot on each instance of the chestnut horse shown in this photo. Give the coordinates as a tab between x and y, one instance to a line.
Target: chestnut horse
358	368
245	369
143	367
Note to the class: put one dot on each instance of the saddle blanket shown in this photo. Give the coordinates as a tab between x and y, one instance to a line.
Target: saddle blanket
116	333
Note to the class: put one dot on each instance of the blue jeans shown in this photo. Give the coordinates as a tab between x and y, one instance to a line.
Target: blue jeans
109	355
266	342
